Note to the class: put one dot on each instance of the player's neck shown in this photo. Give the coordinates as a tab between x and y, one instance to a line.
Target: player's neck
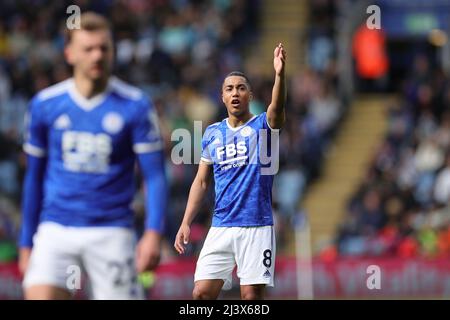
88	88
235	121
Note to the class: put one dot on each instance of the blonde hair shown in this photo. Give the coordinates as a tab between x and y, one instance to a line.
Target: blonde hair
89	21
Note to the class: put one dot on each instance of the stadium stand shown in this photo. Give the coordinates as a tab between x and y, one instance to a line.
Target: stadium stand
178	52
371	170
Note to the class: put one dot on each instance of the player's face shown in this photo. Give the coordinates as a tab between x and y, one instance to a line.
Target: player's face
91	53
236	95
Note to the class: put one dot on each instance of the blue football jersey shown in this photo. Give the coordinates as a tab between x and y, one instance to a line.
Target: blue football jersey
90	145
244	161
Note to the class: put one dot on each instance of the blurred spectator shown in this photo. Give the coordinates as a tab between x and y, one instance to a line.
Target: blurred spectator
369	51
8	229
178	52
411	216
442	186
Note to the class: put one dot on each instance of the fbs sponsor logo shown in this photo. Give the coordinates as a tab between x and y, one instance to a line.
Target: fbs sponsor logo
231	150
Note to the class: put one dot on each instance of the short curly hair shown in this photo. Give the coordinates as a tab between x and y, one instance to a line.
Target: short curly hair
238	74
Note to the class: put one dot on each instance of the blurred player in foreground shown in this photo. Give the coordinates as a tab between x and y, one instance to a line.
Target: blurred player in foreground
242	226
84	135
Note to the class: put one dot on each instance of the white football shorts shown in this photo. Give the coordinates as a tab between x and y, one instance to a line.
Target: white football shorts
251	249
104	254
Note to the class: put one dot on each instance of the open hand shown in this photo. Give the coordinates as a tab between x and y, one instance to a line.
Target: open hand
182	238
24	258
148	251
279	59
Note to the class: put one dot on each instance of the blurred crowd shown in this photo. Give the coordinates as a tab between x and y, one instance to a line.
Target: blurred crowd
402	206
177	51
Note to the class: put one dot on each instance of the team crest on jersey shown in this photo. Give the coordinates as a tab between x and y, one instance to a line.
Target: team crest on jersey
62	122
246	131
112	122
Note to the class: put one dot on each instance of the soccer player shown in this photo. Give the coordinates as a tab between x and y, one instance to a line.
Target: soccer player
241	232
83	138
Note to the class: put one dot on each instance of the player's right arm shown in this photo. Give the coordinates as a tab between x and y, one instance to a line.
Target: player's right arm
276	111
35	147
196	195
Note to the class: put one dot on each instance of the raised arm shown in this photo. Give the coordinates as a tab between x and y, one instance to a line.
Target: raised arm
196	195
275	111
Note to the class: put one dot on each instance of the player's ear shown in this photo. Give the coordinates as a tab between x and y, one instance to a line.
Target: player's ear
68	54
223	99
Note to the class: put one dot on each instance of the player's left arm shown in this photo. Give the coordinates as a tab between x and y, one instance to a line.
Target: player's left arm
275	111
147	145
149	247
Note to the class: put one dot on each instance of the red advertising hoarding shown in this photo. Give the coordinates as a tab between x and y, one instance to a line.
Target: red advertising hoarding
344	278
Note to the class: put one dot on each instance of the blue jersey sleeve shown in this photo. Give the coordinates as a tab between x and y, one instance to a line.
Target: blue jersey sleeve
146	135
152	167
35	145
32	196
265	122
206	142
35	140
147	143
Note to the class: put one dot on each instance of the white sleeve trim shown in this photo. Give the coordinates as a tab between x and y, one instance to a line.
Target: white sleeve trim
147	147
34	151
207	161
267	121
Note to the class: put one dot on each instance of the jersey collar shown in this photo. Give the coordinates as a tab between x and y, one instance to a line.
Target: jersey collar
84	103
237	128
